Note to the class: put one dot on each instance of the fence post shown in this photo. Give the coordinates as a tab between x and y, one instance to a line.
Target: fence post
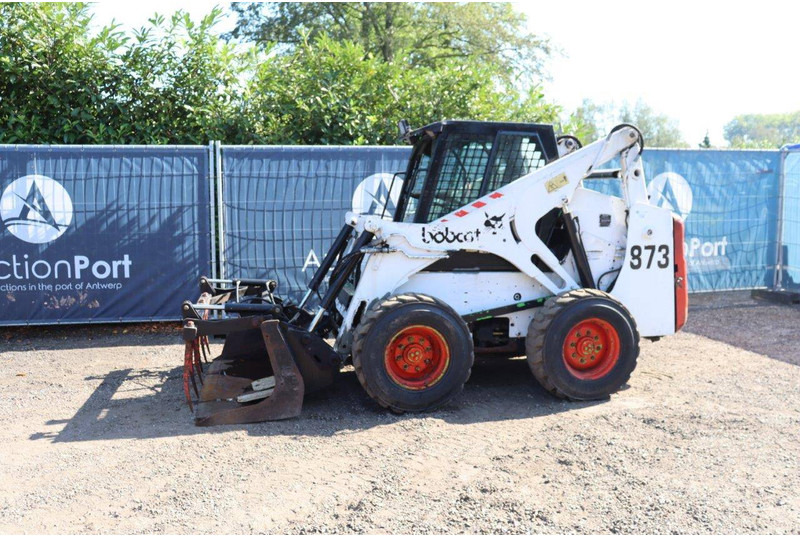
778	283
213	206
220	208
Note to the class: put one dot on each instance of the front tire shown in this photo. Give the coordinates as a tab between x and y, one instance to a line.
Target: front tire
582	345
412	352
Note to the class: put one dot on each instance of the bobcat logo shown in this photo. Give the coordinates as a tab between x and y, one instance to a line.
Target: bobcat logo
36	209
493	223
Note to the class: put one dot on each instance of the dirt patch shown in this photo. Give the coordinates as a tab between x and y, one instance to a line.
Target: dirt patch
95	438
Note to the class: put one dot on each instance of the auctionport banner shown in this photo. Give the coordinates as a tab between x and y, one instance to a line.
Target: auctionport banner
283	206
729	201
107	234
790	278
93	234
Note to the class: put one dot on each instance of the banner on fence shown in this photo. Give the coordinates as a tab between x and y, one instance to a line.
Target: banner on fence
790	225
729	201
121	233
99	234
283	206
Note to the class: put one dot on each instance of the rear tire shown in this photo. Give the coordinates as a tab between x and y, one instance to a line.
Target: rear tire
582	345
412	352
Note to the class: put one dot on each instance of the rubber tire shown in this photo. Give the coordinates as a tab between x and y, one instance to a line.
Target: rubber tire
549	328
377	328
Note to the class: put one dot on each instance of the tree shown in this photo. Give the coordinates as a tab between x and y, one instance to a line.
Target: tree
332	92
423	34
586	122
178	81
763	130
54	78
591	121
658	130
173	82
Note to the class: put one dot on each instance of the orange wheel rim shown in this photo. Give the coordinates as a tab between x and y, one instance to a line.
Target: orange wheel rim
417	357
591	349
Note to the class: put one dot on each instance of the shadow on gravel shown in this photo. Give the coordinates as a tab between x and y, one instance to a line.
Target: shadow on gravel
757	326
143	404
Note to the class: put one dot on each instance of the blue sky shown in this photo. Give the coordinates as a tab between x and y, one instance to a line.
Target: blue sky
701	62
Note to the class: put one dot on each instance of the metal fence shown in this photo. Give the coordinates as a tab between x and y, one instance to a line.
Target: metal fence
281	207
788	252
729	200
105	233
102	233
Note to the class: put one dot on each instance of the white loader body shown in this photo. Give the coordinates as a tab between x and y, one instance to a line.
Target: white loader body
637	240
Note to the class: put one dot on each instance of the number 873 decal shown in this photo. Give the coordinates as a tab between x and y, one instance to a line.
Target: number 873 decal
642	257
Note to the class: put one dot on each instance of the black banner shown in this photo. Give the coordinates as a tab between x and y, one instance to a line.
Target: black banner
101	234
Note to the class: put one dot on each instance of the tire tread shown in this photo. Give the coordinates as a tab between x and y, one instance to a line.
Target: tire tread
374	312
537	332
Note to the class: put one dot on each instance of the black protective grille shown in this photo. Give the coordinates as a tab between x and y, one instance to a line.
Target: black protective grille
462	172
517	155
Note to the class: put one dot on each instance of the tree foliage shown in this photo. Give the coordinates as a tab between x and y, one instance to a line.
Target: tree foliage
586	122
767	131
590	121
659	130
428	34
334	92
172	82
178	81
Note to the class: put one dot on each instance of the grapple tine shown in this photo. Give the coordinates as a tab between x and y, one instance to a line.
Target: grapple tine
189	360
187	371
198	365
205	347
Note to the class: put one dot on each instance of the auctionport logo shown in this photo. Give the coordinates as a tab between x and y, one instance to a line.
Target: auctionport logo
671	190
36	209
373	195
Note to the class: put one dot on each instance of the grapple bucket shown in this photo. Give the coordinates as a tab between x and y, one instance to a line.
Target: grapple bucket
265	369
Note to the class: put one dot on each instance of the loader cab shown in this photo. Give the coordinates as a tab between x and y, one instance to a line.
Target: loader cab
454	163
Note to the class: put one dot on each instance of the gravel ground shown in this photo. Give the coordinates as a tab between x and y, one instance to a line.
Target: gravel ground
94	437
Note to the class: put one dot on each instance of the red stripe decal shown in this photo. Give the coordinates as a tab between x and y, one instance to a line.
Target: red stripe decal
461	213
496	195
478	204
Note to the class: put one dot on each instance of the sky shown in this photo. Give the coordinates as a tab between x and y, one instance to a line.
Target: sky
701	62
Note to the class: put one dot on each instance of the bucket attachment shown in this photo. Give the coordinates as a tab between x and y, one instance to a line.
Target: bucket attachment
265	369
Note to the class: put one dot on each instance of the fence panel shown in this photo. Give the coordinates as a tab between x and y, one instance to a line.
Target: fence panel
101	233
790	278
107	233
283	206
730	203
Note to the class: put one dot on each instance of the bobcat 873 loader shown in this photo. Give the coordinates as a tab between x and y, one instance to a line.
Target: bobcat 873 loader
501	244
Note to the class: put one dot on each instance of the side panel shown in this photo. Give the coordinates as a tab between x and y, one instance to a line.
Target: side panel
646	284
472	292
601	219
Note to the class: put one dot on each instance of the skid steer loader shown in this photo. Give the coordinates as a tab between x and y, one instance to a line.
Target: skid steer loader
501	244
